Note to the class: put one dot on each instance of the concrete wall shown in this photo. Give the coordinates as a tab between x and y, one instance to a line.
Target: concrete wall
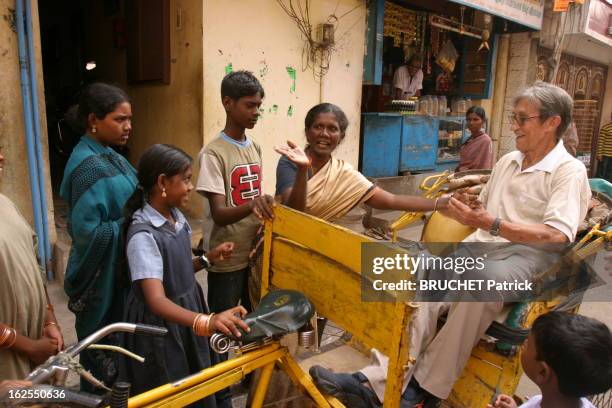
258	36
15	180
606	108
162	113
521	73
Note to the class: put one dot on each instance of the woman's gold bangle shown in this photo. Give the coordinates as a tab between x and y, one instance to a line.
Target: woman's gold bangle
8	337
4	335
436	204
200	324
194	325
208	329
51	324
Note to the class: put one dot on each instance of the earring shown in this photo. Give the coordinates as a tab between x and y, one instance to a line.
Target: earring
164	192
94	129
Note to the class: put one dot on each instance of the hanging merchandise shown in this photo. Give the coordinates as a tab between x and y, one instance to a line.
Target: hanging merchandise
434	40
408	46
444	82
400	22
447	57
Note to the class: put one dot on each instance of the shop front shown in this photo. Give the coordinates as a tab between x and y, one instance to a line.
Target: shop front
426	64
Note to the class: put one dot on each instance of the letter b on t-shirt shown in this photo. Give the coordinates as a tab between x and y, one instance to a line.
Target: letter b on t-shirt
245	182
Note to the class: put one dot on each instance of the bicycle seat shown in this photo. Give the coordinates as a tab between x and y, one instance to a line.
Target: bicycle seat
278	313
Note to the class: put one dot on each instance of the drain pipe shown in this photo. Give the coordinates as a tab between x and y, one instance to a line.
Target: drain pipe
26	93
37	136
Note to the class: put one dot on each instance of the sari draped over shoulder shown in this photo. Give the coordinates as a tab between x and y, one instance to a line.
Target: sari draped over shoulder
97	183
476	153
22	294
335	189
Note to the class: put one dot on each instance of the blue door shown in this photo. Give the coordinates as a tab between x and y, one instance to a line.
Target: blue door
381	144
419	144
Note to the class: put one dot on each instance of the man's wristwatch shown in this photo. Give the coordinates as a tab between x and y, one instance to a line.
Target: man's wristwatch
495	227
204	262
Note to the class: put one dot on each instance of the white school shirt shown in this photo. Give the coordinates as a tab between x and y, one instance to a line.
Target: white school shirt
534	402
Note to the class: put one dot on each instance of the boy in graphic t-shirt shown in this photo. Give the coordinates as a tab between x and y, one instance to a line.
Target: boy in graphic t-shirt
230	178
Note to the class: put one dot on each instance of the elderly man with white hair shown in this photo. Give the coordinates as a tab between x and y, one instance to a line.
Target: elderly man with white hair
536	194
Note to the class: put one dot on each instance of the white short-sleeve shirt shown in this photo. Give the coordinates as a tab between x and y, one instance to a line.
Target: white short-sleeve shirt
536	401
554	191
407	83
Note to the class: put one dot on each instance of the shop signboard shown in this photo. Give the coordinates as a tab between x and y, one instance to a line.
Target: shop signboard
525	12
561	5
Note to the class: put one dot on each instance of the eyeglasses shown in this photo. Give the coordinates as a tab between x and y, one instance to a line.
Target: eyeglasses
520	120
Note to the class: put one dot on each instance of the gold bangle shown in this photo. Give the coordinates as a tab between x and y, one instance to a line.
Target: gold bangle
5	338
208	323
4	335
50	324
205	330
14	332
436	204
202	323
195	322
199	324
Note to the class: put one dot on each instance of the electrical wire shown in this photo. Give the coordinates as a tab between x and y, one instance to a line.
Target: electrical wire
315	55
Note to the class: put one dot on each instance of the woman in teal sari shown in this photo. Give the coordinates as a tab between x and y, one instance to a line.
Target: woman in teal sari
97	183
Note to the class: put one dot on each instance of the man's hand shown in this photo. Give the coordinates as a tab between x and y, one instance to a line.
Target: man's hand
263	207
476	217
467	198
294	153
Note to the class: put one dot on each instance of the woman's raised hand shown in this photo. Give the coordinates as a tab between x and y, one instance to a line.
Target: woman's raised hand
226	322
294	153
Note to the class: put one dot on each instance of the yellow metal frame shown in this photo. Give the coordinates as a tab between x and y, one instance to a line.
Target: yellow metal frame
213	379
431	186
329	274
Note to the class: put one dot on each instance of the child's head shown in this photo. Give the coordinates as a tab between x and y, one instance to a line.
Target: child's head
164	175
242	94
572	353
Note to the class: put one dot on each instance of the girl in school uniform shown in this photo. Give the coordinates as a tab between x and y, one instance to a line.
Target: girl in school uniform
164	291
